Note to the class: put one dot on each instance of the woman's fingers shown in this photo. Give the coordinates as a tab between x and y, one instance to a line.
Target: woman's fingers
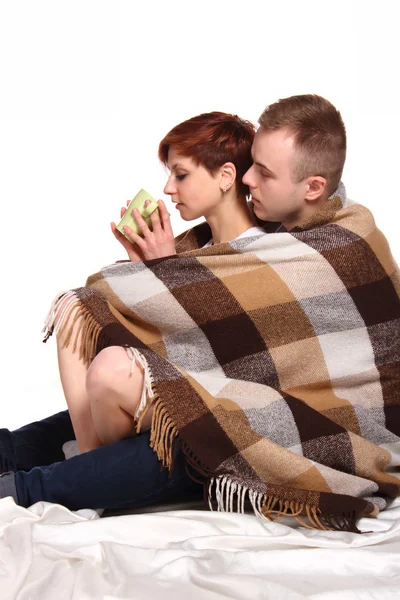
132	249
165	217
118	235
155	219
156	240
136	239
123	209
144	228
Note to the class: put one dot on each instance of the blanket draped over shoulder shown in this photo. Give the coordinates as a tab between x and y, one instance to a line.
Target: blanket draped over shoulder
275	359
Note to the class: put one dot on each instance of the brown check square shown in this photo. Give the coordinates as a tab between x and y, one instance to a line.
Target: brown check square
207	301
282	324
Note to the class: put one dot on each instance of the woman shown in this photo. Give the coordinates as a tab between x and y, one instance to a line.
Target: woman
207	157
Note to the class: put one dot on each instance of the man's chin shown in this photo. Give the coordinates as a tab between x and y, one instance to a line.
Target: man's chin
260	213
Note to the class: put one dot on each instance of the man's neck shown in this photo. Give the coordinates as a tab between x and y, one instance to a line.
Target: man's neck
299	218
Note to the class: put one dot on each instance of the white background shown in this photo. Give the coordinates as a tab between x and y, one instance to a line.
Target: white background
88	89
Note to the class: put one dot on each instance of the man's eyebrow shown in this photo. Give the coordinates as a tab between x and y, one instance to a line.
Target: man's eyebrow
263	167
260	164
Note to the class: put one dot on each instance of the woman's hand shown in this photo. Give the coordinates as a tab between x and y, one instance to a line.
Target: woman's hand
134	253
155	244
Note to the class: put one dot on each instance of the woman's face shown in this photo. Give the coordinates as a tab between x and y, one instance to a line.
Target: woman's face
193	190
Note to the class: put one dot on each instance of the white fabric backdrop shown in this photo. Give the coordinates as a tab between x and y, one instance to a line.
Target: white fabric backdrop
48	552
88	88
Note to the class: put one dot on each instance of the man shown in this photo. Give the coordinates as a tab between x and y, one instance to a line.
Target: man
299	153
339	367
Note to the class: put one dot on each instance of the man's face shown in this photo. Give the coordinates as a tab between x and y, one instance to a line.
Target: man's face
274	195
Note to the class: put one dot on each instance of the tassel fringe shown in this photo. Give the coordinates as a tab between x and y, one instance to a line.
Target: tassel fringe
231	496
163	433
147	390
69	319
226	491
57	311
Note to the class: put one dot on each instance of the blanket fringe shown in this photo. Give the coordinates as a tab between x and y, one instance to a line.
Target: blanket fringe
74	324
231	496
57	311
226	491
163	433
148	394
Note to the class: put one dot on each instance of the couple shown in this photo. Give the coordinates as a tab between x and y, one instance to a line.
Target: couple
257	354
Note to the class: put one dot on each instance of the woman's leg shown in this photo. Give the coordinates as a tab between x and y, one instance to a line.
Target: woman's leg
126	474
73	379
39	443
114	393
101	399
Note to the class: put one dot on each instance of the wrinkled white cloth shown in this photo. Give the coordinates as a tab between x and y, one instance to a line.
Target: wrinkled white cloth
50	553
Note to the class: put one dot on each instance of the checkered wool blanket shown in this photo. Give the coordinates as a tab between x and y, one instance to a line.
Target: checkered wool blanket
273	358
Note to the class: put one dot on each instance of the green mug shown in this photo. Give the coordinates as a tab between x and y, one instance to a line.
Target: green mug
138	202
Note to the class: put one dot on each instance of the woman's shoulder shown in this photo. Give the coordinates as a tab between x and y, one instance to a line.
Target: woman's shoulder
193	238
251	231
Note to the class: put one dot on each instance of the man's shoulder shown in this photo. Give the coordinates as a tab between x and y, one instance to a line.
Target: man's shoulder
355	218
353	234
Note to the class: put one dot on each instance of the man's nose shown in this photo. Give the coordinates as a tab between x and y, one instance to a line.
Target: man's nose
248	178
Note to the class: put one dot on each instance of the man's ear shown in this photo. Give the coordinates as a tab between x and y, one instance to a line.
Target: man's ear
316	187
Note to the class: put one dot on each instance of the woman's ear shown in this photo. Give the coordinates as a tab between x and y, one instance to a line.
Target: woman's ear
227	176
316	187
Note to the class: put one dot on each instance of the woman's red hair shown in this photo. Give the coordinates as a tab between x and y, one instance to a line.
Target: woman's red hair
211	140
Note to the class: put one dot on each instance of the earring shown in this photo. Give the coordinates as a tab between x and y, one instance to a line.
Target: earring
226	188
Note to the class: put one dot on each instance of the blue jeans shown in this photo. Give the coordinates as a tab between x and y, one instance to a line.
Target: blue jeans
126	474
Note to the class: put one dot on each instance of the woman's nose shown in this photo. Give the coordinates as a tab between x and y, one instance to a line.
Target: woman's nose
170	188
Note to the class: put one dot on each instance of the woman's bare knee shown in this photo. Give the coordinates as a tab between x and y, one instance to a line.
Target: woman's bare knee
106	371
114	393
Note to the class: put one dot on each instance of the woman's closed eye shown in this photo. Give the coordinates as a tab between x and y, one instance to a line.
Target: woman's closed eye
181	177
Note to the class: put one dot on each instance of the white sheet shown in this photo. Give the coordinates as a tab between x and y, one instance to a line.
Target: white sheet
50	553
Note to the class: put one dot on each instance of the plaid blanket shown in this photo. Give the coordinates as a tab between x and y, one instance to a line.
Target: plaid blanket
273	358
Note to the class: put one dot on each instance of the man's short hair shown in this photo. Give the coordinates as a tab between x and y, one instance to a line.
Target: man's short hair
319	134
